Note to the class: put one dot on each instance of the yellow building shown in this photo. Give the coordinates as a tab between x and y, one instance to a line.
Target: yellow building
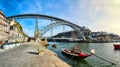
16	31
4	27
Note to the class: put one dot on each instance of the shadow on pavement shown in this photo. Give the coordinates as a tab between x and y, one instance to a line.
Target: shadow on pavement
33	53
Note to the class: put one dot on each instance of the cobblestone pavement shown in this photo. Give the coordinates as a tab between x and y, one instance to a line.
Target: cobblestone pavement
26	55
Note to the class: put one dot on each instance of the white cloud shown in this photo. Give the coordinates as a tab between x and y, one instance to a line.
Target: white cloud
98	15
29	7
110	21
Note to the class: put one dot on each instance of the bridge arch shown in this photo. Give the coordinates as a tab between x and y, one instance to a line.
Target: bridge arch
58	22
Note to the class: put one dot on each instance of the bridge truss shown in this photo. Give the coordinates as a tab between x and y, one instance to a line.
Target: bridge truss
57	22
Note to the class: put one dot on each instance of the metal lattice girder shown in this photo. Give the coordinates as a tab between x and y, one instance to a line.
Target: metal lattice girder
58	22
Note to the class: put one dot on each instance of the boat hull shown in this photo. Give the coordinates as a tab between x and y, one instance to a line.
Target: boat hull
116	46
73	55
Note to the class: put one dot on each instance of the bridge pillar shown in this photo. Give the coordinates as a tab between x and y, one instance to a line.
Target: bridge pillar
37	32
52	28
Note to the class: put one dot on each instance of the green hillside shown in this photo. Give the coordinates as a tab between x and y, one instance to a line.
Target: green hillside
20	29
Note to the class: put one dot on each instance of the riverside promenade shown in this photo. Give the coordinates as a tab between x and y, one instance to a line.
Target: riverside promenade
26	55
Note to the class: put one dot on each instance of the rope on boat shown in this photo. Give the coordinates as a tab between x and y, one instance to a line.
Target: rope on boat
102	58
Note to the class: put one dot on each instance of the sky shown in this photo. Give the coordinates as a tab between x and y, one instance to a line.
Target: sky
97	15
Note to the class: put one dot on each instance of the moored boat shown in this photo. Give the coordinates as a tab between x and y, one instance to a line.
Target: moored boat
54	45
80	55
116	46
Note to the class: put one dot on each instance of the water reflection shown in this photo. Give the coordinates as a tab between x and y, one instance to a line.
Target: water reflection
78	62
104	50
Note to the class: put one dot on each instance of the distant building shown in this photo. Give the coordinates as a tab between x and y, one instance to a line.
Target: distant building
13	29
16	32
4	27
10	30
86	32
103	36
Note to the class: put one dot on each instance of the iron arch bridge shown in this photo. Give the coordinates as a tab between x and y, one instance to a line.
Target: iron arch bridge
57	21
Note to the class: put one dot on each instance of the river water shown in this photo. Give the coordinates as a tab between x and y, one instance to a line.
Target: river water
103	50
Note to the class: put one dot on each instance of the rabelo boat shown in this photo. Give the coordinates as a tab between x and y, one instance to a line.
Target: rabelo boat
116	46
80	55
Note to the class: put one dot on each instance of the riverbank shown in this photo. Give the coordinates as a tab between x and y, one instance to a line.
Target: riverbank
26	55
79	41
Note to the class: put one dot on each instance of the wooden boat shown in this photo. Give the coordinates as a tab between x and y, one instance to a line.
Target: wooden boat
116	46
77	55
1	42
54	45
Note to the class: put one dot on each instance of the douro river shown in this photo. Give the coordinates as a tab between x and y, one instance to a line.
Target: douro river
105	55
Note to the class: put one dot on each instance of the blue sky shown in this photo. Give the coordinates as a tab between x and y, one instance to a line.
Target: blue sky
97	15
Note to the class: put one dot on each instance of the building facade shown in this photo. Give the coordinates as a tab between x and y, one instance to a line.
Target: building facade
16	33
4	27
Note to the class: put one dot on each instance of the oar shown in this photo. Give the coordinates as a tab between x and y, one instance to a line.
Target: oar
99	56
104	59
